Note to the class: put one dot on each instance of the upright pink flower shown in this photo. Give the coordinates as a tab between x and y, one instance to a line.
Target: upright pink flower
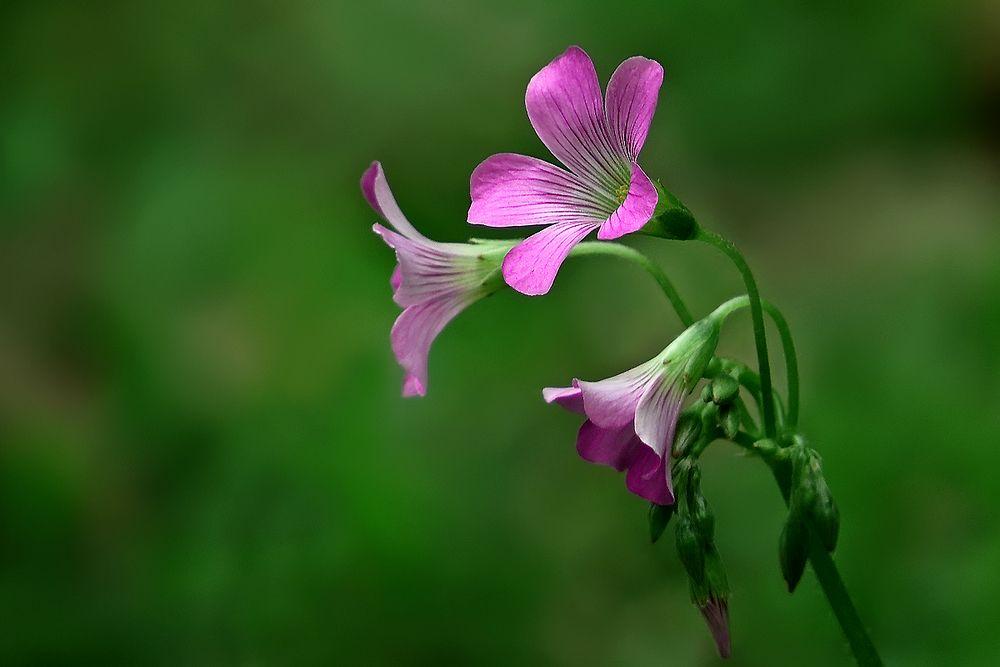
631	417
597	140
433	282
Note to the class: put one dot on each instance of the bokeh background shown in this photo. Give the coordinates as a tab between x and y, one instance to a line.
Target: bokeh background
204	458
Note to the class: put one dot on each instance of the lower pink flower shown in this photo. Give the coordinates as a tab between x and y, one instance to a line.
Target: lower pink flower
631	417
433	282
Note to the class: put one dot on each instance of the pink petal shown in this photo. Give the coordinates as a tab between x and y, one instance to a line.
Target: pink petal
396	279
611	403
532	265
570	398
635	211
511	190
610	447
566	109
376	190
656	416
631	102
412	335
648	476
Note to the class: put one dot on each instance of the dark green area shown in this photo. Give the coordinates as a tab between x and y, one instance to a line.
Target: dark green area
204	458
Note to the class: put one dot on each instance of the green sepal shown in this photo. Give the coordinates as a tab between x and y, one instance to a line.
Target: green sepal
825	516
690	549
659	518
688	431
729	417
671	219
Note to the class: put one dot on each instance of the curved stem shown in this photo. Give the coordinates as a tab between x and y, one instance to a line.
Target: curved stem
791	362
633	255
757	314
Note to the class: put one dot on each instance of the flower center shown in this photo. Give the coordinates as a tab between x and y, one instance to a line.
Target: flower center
621	192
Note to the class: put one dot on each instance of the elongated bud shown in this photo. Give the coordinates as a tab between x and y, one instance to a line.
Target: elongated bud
659	518
690	549
716	613
793	551
826	516
688	431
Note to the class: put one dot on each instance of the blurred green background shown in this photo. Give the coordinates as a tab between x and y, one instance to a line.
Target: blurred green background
204	458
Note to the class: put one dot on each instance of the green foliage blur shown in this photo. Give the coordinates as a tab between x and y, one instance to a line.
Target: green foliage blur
204	457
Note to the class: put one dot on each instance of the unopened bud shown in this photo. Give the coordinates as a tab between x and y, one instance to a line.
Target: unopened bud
793	551
729	417
724	389
688	431
716	614
826	516
690	550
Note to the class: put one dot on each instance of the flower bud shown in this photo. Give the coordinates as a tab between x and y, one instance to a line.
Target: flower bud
724	389
826	516
688	431
793	551
690	550
659	517
729	417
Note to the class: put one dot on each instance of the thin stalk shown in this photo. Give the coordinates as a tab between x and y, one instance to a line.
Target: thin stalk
791	362
757	315
633	255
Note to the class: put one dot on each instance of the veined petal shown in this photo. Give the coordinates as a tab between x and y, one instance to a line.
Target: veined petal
656	415
396	279
510	190
635	211
570	398
631	102
376	190
566	108
648	476
531	266
610	447
611	403
414	331
429	270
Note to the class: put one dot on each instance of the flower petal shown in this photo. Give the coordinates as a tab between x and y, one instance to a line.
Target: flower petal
531	266
376	190
611	403
396	279
570	398
631	102
610	447
415	330
648	476
656	415
566	109
635	211
510	190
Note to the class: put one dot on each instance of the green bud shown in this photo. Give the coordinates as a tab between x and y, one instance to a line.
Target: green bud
659	517
706	394
729	417
688	431
689	548
825	516
792	551
724	389
701	515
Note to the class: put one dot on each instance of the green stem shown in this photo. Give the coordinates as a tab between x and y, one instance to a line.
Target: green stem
791	362
757	315
633	255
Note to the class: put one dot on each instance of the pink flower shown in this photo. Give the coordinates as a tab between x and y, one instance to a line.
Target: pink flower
433	282
597	140
631	417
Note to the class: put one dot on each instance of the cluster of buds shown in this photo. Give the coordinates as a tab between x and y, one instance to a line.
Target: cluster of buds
719	412
811	509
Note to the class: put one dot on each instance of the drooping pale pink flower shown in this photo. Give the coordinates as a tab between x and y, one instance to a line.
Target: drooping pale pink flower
632	416
598	140
433	282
